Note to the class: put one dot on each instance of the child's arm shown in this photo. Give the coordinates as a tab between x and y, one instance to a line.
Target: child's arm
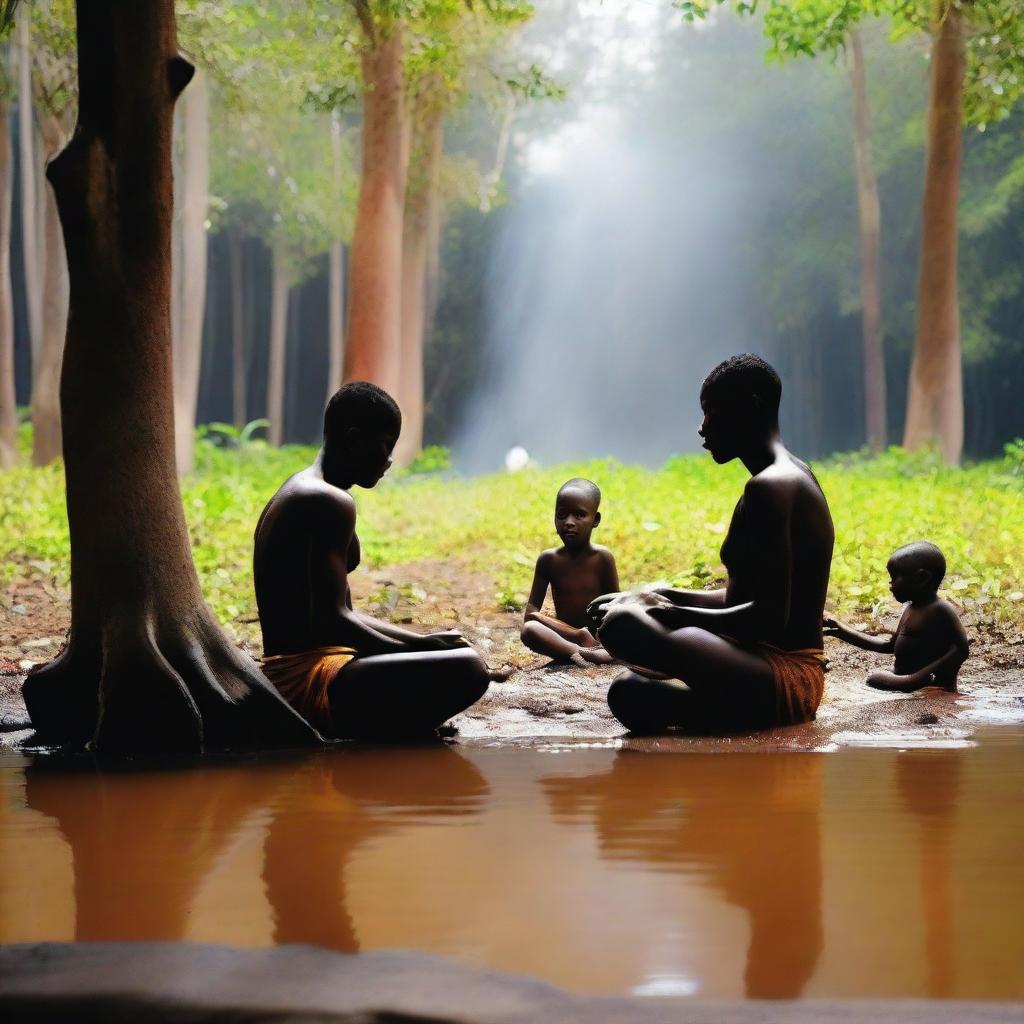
865	641
538	591
610	583
952	659
693	598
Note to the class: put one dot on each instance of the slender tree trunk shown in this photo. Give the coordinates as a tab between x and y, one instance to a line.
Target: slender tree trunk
870	230
146	666
195	202
31	256
238	367
375	258
935	400
46	432
8	399
280	287
335	297
422	200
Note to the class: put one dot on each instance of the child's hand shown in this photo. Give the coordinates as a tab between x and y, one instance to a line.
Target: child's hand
671	616
831	627
598	608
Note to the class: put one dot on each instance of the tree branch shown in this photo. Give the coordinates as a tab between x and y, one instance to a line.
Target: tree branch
365	16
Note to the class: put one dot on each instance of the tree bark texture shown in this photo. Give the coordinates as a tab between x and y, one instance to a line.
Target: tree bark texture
276	364
422	200
935	403
375	258
869	219
188	339
32	256
146	666
8	398
239	377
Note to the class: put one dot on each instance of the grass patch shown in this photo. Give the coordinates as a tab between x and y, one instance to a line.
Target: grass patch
661	524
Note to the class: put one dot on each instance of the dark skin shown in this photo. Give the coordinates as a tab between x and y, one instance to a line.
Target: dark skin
402	683
777	554
930	643
576	573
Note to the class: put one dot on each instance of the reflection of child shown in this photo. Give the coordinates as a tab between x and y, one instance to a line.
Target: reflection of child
577	572
930	643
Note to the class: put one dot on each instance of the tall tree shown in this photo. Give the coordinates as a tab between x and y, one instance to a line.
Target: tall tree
335	271
191	271
373	342
32	258
8	399
146	666
977	74
869	221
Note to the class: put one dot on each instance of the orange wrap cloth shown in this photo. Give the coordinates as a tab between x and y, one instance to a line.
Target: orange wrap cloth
799	682
303	680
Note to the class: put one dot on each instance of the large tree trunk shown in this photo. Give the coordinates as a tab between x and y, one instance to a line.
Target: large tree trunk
335	265
935	401
46	433
375	258
146	666
422	200
195	201
239	377
31	255
8	398
280	287
870	231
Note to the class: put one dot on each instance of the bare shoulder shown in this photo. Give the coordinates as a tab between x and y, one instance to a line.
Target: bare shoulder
310	499
776	487
546	558
941	612
605	554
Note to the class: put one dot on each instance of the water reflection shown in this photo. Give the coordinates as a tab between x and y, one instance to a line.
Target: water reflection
750	826
143	843
929	783
333	806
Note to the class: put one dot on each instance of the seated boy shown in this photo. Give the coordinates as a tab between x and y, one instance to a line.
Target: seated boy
577	572
930	643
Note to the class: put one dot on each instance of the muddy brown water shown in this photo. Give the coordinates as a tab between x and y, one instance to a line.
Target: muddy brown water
854	873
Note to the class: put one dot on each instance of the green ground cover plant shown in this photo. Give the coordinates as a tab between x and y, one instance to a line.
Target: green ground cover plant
665	524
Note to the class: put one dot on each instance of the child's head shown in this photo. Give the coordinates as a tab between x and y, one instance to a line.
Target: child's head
576	511
361	425
916	570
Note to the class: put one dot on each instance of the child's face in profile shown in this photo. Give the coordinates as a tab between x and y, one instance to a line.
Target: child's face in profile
908	581
576	516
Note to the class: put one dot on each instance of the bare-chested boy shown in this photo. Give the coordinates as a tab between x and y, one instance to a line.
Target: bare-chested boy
577	572
930	643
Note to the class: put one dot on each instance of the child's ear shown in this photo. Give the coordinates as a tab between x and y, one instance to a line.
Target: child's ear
923	578
353	435
597	518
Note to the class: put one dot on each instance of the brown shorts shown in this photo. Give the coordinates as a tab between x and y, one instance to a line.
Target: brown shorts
304	681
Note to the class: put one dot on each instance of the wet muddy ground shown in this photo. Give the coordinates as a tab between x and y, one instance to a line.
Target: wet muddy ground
541	700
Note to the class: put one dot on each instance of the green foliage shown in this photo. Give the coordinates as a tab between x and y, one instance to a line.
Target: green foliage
435	458
661	524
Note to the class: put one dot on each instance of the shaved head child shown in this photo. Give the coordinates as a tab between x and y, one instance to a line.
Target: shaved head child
930	643
577	572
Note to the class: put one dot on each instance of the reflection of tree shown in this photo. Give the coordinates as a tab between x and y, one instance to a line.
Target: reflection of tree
142	842
929	784
335	805
750	824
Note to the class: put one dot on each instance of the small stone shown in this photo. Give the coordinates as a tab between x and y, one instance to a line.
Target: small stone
19	609
26	665
43	641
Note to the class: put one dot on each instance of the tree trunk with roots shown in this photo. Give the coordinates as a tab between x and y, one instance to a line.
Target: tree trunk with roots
239	377
935	400
46	434
870	231
422	200
8	398
188	339
32	257
375	257
276	364
146	666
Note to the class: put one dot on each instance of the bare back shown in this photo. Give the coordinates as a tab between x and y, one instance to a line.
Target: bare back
305	546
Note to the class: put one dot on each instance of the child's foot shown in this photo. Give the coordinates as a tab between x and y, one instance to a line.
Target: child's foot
578	659
499	675
596	656
896	684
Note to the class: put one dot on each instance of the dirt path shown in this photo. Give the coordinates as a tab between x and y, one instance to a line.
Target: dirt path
540	702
